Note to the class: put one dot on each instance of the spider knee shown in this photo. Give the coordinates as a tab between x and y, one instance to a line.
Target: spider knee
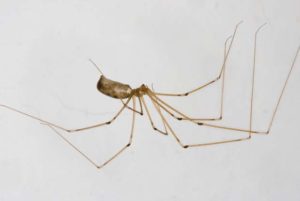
160	131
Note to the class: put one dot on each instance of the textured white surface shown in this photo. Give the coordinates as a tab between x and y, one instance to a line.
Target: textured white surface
176	45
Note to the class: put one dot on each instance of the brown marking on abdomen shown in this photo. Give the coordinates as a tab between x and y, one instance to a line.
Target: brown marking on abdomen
113	89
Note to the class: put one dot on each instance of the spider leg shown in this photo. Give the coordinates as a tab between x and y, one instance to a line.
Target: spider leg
252	88
151	121
112	157
157	105
65	129
130	108
164	106
221	75
223	81
213	80
220	116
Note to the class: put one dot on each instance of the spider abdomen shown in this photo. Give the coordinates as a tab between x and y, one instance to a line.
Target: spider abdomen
113	89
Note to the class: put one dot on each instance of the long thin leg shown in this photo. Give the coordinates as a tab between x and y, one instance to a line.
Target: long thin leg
111	158
253	78
164	106
130	108
65	129
151	121
210	82
159	111
220	116
190	145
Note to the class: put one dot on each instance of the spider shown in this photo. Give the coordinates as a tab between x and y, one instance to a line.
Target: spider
126	94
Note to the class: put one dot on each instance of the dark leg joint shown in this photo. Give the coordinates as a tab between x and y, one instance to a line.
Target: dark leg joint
128	144
200	124
75	130
212	81
179	118
108	122
185	146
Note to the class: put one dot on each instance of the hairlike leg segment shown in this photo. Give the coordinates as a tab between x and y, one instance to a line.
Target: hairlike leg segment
112	157
166	107
220	75
210	82
65	129
151	121
158	105
130	108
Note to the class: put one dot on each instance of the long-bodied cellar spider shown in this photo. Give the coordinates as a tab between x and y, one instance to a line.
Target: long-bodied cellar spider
127	94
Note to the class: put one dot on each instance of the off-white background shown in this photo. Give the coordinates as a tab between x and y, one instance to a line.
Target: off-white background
176	45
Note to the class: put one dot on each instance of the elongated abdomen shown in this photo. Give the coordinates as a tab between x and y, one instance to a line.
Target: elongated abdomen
113	89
